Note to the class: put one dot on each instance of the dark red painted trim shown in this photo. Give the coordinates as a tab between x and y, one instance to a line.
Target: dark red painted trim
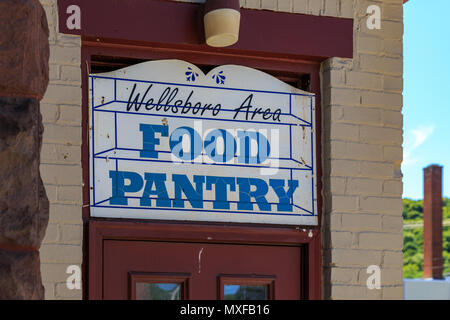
16	247
103	229
175	23
98	230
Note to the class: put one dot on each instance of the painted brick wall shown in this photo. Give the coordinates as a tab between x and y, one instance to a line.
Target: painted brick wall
61	160
362	153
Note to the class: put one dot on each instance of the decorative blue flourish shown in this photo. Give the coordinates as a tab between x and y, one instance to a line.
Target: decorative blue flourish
220	78
191	75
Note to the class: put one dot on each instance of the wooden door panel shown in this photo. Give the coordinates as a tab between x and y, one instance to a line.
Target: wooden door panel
205	264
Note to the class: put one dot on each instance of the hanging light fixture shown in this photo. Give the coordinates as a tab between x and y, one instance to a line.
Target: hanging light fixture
222	20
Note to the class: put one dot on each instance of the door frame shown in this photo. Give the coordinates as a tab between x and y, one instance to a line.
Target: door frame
96	230
107	229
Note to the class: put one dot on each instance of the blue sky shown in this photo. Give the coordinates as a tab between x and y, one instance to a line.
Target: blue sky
426	103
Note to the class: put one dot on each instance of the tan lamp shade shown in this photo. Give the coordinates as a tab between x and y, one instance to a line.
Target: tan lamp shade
222	25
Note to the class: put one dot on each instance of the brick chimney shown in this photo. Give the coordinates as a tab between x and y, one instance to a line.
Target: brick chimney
432	223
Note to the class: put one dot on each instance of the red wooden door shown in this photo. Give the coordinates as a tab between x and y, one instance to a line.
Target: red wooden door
171	270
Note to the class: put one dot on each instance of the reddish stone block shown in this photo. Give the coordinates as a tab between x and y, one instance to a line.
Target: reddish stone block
23	202
24	49
20	275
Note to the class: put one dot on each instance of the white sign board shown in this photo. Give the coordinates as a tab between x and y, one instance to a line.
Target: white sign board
168	142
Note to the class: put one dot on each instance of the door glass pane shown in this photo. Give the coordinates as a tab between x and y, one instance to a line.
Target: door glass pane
158	291
244	292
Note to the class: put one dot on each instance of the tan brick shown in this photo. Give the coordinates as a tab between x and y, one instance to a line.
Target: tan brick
337	185
50	113
393	187
344	275
388	30
58	253
60	94
68	41
360	115
356	151
368	44
52	192
377	169
331	8
382	99
62	134
70	194
345	168
315	7
392	276
65	55
392	83
50	12
361	222
63	213
392	29
253	4
48	153
300	6
61	174
52	34
54	73
70	115
49	289
333	78
393	258
393	224
339	292
284	5
392	118
393	12
393	206
71	233
67	294
346	8
339	96
68	154
70	73
51	233
380	241
355	257
338	63
393	292
335	221
269	4
385	65
344	203
393	46
381	135
348	132
392	153
55	272
363	186
388	277
341	239
364	80
336	112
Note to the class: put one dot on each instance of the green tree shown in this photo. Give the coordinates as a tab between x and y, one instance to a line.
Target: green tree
413	238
